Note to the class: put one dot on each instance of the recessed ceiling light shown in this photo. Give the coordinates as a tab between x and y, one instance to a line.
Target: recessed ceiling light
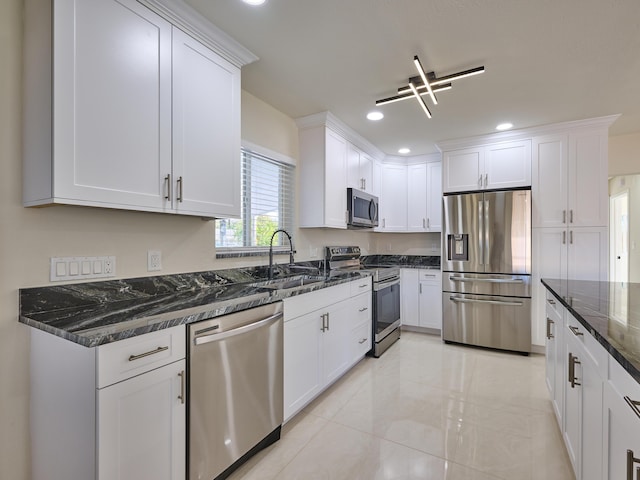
404	151
375	115
504	126
254	2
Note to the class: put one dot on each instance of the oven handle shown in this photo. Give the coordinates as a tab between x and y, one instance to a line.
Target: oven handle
388	283
236	331
486	280
490	302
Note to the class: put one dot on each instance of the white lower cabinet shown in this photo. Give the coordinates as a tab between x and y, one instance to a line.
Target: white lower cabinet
321	345
622	424
421	292
141	426
555	355
117	411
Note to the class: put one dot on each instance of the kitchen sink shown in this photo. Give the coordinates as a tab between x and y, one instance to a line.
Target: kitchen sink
287	283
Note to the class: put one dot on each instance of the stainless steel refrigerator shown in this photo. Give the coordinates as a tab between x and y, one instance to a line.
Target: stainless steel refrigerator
486	264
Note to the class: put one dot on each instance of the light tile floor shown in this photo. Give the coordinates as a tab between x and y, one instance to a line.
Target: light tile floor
424	410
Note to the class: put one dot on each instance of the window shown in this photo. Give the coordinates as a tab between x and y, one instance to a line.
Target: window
267	204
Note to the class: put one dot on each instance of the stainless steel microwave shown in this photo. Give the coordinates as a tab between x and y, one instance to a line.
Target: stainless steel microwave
362	208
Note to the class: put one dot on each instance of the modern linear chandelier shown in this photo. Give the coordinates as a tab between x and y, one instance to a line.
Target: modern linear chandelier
426	83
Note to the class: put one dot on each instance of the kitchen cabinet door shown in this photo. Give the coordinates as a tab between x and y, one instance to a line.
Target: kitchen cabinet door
462	170
359	169
361	328
622	423
588	187
416	198
430	289
507	165
142	426
206	131
393	206
336	351
587	253
111	119
410	297
554	354
549	181
302	361
434	197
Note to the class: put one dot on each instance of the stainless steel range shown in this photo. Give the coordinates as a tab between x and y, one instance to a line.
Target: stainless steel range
386	294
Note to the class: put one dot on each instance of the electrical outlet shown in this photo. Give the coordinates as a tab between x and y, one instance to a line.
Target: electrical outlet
154	260
109	266
313	251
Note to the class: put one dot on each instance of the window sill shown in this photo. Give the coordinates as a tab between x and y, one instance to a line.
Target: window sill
253	252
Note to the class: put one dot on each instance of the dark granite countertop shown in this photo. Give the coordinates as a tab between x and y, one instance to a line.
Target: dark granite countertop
429	262
611	313
96	313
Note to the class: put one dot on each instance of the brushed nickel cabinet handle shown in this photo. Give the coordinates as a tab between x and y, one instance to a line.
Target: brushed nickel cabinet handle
564	216
180	187
424	223
181	396
564	238
549	323
480	181
146	354
630	461
362	341
486	180
551	301
324	322
428	223
634	404
573	361
571	237
328	319
167	185
420	289
571	216
575	331
364	309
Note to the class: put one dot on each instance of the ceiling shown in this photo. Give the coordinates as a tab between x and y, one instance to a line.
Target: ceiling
546	61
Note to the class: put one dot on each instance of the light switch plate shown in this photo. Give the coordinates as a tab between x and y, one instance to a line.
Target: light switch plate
81	268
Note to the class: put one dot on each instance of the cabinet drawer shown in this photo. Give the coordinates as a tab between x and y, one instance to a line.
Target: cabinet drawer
360	286
553	303
361	340
309	302
433	276
118	361
598	354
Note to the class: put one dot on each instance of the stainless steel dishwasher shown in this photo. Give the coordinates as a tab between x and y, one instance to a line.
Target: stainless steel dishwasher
235	389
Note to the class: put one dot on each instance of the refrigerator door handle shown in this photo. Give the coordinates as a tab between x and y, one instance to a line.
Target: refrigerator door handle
490	302
487	239
456	278
481	231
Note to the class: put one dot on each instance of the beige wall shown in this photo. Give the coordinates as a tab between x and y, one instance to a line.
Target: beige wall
624	154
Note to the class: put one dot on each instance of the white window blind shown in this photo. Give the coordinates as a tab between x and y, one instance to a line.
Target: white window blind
267	204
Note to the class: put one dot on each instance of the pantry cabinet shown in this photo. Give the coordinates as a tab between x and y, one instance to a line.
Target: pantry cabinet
487	167
113	411
123	110
325	333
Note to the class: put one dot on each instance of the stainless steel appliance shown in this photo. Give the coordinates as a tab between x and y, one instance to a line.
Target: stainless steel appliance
385	298
362	209
235	389
486	286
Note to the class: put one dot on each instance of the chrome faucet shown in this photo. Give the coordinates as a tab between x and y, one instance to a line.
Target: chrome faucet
271	250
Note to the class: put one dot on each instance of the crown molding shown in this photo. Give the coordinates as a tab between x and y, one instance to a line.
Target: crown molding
563	127
183	16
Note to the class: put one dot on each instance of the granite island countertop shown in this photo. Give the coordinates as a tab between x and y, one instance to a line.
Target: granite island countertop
96	313
611	313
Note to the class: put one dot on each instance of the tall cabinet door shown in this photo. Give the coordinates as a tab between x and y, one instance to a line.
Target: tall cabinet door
112	103
142	426
549	181
206	130
417	194
434	196
335	179
587	253
393	207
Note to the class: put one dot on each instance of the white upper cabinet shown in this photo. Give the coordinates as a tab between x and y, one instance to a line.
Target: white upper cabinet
434	196
569	184
206	130
493	166
392	216
124	105
323	178
359	169
417	198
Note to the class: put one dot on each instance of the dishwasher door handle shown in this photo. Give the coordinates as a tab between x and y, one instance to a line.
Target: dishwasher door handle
237	331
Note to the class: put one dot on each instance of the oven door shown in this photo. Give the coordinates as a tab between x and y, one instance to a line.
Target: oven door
386	307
